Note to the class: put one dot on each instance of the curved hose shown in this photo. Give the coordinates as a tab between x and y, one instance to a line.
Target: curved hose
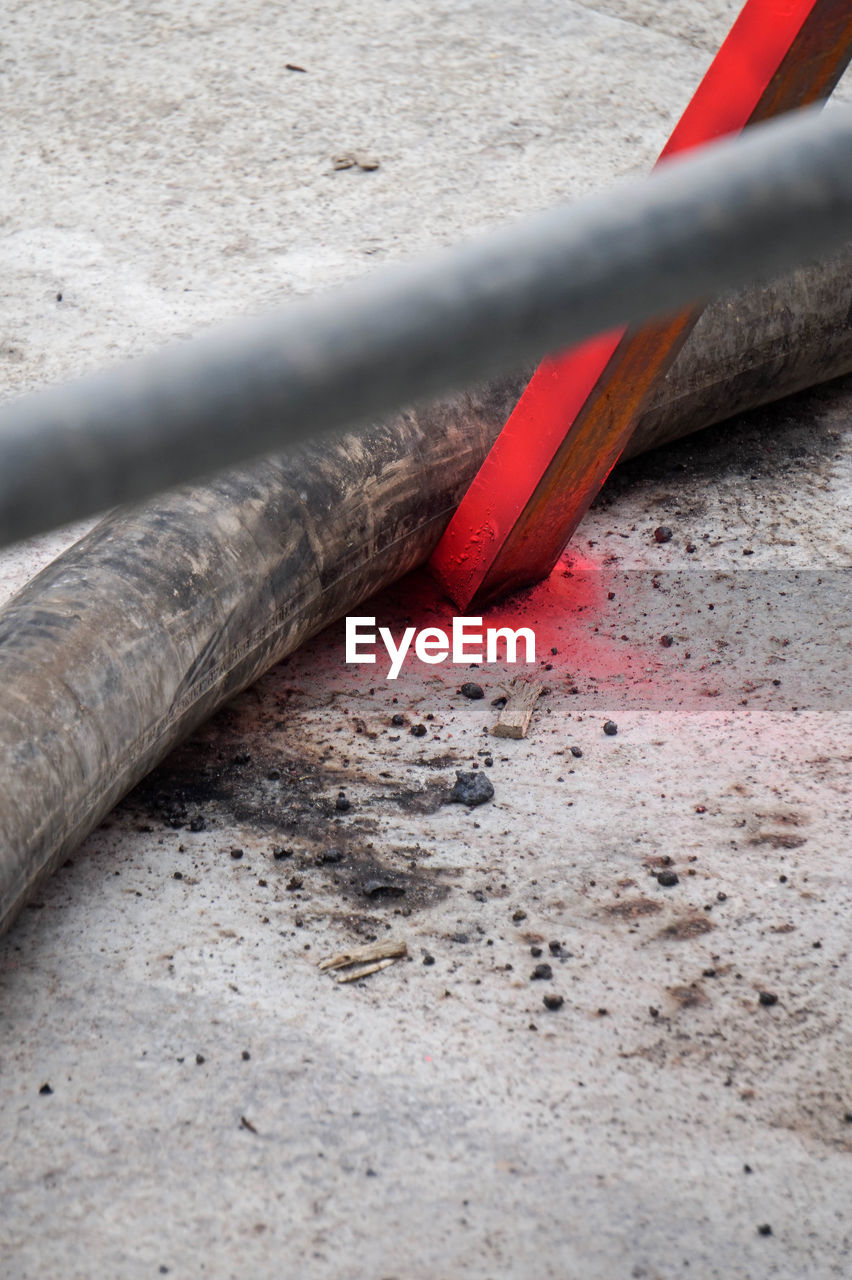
142	629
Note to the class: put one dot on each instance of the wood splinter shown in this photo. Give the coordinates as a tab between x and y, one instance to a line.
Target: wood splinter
373	957
514	719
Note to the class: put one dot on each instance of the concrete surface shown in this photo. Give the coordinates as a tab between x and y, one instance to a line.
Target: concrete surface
221	1108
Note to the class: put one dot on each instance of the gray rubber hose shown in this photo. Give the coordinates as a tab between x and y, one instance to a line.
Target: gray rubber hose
141	630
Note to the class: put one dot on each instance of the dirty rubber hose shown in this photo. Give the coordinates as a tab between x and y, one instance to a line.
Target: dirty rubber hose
137	633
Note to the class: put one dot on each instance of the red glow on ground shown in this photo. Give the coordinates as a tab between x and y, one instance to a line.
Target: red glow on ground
723	103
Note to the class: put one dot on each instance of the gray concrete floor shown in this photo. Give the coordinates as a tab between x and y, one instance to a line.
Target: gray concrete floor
162	170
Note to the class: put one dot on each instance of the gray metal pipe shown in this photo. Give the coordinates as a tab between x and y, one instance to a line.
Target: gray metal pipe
738	211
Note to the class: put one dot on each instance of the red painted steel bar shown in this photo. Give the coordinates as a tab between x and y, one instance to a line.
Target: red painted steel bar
578	410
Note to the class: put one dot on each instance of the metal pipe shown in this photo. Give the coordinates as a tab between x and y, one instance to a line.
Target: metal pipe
737	211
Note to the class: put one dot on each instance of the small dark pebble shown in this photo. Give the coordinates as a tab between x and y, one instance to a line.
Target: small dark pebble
330	856
45	1090
59	297
291	66
667	879
721	897
610	728
294	883
177	875
499	702
747	1168
662	533
555	948
428	959
459	937
382	889
273	775
199	1059
197	823
245	1055
236	854
342	804
603	1013
541	972
397	720
764	1229
472	691
279	853
767	998
519	915
690	547
418	731
667	641
488	762
471	789
655	1013
576	752
535	952
553	1002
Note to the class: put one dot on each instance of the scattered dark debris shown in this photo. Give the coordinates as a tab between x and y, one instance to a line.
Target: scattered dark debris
470	789
610	728
542	972
767	998
778	840
472	691
690	547
294	883
418	731
683	930
279	853
688	997
45	1090
668	879
553	1002
666	640
576	752
197	823
632	908
273	775
662	533
291	66
247	1124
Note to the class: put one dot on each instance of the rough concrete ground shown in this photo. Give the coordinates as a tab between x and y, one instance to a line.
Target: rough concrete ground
162	170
